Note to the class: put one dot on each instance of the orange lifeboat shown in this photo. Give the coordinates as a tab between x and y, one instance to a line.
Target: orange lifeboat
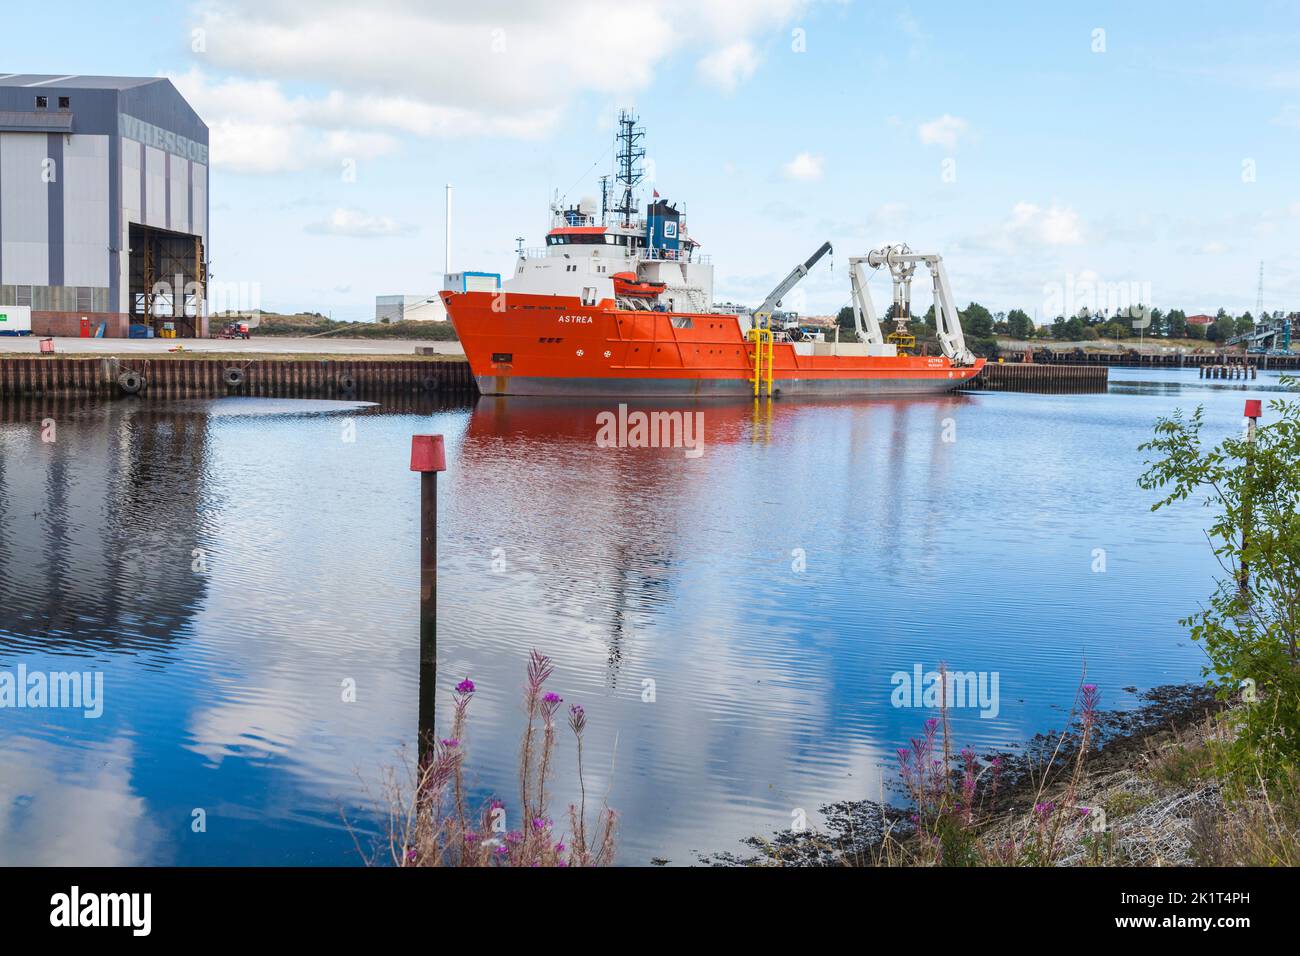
626	283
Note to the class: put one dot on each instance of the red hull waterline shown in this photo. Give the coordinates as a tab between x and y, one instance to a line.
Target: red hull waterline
529	344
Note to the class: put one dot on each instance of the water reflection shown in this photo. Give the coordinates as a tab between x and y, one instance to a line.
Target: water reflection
730	621
97	525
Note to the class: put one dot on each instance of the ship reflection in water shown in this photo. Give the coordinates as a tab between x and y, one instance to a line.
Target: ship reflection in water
731	621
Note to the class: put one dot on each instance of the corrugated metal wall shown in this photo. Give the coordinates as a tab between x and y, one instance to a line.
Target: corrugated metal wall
199	180
85	211
155	187
24	210
178	188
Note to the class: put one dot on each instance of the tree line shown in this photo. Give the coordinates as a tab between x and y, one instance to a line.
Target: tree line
982	327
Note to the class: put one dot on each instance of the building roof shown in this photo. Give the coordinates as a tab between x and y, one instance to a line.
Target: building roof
1200	319
64	81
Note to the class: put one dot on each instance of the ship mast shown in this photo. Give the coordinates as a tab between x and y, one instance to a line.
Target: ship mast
628	172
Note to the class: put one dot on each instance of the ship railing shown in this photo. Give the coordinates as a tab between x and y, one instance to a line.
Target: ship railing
674	255
572	220
648	255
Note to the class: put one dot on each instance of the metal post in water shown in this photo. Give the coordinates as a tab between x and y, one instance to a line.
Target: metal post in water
1253	411
428	457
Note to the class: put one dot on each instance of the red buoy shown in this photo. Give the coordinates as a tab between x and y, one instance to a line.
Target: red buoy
1253	407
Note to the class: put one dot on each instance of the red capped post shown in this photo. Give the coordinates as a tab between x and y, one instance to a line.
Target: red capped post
1254	409
428	453
428	457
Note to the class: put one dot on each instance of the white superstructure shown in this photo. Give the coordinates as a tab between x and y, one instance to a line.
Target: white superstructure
583	254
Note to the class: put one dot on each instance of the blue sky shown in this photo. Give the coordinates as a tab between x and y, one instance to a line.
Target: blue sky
1029	149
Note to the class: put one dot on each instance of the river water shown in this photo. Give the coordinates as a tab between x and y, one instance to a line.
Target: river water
243	574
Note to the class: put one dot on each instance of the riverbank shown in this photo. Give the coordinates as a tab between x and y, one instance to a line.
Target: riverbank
1147	795
312	324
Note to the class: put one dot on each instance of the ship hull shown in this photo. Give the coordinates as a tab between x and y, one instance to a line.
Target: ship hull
549	345
706	388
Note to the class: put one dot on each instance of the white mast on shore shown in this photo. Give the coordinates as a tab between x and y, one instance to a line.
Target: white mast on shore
447	262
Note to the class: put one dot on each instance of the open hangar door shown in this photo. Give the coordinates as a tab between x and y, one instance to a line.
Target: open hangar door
168	281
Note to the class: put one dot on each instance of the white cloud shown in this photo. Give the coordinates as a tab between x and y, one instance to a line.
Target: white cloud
944	131
911	28
1032	225
503	69
255	127
728	67
889	216
1213	249
358	224
805	167
1289	117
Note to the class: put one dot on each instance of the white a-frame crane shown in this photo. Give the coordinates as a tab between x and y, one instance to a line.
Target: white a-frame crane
902	263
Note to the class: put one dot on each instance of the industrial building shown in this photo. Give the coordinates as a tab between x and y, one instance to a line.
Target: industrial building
409	308
103	205
429	308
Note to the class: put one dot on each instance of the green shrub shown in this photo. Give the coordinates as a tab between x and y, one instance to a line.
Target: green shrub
1250	626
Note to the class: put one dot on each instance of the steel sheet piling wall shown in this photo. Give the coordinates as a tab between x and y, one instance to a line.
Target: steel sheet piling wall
193	377
1034	377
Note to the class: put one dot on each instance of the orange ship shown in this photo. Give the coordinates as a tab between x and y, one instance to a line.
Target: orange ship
622	307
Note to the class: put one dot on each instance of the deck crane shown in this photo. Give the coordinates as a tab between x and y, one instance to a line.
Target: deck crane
763	314
902	263
760	331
